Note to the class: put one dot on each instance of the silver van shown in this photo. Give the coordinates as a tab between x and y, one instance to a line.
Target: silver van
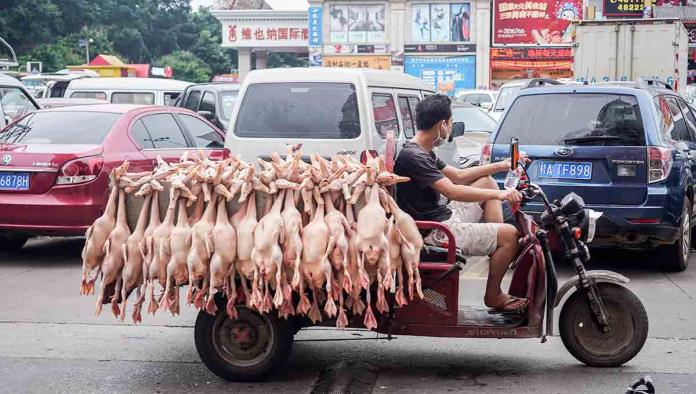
328	110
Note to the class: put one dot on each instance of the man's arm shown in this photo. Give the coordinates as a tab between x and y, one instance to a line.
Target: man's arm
467	175
464	193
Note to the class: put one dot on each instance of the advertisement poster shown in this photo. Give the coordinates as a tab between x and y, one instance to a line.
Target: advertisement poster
440	22
539	22
338	23
375	62
420	23
357	24
446	75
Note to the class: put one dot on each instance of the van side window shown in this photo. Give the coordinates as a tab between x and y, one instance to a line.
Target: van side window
679	132
170	98
207	103
406	117
203	135
384	112
141	98
89	95
193	99
141	136
164	131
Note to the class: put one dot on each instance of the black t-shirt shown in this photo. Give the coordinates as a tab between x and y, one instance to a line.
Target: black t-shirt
417	197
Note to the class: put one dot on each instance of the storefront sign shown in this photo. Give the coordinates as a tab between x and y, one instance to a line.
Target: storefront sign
357	23
315	56
526	53
691	29
445	74
263	33
506	70
376	62
535	22
315	26
623	8
441	22
440	48
341	49
161	72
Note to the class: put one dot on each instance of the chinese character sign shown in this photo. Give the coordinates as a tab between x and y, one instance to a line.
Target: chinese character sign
264	33
441	22
315	26
376	62
545	22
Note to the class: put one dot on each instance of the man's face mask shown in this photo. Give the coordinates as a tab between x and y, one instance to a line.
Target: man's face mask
443	133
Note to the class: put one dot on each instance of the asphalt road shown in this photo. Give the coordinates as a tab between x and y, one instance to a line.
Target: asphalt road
50	341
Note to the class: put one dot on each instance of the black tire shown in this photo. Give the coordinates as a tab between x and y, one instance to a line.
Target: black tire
584	340
269	344
675	258
13	243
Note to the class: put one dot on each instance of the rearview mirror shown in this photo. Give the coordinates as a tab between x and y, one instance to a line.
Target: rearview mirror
514	153
457	131
487	106
207	114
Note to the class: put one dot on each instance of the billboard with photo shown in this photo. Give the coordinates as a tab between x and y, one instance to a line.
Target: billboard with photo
446	75
534	22
440	22
356	24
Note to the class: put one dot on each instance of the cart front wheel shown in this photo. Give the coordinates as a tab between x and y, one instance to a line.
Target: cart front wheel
584	339
244	349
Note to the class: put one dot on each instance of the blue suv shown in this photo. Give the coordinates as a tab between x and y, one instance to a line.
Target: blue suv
628	149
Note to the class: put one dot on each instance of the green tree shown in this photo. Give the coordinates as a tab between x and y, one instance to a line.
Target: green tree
220	60
186	66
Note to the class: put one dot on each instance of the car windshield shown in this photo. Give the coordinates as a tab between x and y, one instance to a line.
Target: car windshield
574	119
60	128
228	99
505	97
474	119
299	110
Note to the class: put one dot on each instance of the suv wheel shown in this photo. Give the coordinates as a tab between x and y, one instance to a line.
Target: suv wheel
676	257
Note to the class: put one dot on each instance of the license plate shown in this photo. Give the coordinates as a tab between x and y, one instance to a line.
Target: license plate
565	170
14	181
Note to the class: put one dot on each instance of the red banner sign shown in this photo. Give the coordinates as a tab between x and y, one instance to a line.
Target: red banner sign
540	22
525	53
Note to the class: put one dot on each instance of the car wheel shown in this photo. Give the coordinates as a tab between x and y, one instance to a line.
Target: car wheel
12	243
676	257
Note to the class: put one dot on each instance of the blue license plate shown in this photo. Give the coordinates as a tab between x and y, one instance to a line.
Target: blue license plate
565	170
14	181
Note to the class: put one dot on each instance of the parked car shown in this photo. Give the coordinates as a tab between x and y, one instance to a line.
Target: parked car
15	100
57	102
214	101
479	98
465	150
328	110
54	84
509	91
56	162
628	150
145	91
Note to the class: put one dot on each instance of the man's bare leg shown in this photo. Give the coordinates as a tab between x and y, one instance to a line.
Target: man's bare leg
493	209
498	265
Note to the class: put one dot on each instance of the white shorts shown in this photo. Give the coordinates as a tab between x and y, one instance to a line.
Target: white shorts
472	237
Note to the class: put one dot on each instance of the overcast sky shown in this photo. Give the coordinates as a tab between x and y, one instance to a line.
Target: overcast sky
278	4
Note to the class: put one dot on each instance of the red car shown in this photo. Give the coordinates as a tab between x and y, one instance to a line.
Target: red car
55	163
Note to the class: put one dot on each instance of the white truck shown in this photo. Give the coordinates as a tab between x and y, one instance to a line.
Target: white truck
629	49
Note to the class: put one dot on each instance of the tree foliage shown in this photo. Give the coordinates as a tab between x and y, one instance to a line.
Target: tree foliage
138	31
186	66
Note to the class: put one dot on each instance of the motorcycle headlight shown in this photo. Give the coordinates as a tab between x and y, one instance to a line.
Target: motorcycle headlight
572	204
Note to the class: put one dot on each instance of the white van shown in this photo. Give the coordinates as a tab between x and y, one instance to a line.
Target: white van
128	90
328	110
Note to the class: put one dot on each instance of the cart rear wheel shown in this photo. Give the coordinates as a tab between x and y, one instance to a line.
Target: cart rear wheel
583	338
243	349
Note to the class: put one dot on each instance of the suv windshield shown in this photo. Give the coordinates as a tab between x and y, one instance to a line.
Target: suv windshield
60	128
574	119
299	110
505	97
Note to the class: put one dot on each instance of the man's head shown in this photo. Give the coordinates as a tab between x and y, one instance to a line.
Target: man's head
434	118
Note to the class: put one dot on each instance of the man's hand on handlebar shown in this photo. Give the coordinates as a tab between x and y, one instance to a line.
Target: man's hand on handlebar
511	196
